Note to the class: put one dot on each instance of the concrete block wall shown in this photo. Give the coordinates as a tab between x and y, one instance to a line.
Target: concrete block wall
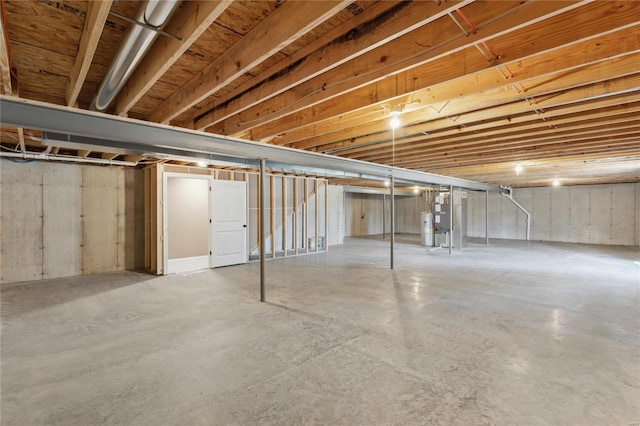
593	214
59	220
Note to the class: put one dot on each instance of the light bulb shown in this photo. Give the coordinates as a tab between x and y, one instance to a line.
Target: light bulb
387	183
416	190
202	164
395	122
556	182
519	169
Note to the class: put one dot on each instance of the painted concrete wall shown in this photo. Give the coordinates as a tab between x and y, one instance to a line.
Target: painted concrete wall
59	220
336	212
364	214
594	214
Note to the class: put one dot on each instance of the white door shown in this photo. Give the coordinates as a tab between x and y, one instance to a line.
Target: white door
228	223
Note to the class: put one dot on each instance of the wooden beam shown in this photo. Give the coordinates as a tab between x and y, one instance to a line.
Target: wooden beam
23	148
567	59
5	65
266	38
423	45
190	22
475	122
83	153
534	91
293	113
368	14
93	25
625	86
330	52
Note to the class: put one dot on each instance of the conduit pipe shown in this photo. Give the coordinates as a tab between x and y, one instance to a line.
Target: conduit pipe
50	157
136	43
509	195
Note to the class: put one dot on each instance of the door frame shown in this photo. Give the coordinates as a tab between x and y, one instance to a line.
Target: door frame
165	214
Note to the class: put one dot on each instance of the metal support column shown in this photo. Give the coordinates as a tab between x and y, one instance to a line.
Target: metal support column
486	229
261	203
450	218
392	227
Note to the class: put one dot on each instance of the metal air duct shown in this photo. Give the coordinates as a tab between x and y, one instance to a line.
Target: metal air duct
153	13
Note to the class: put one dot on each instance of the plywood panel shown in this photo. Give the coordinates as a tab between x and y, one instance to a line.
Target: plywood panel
21	221
100	221
62	221
134	218
600	214
623	199
560	214
579	215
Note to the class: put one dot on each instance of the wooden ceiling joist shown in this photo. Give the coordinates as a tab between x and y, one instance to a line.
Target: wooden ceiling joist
94	23
455	65
572	59
267	38
5	65
479	121
367	15
398	21
190	22
429	43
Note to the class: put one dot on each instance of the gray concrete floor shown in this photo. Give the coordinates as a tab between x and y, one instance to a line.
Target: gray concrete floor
513	333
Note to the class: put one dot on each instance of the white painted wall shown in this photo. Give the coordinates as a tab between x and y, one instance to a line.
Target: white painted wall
594	214
59	220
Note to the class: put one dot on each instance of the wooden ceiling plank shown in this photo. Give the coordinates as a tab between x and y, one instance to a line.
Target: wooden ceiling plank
402	54
267	38
399	21
97	14
5	66
189	23
306	111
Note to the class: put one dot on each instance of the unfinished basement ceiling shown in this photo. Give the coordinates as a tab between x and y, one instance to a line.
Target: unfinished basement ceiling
480	86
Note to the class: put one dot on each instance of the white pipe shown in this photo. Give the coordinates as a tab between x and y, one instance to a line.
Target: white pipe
518	205
49	157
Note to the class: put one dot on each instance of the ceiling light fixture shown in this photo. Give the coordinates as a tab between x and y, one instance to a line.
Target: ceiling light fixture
387	183
395	121
519	169
202	164
556	182
416	189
